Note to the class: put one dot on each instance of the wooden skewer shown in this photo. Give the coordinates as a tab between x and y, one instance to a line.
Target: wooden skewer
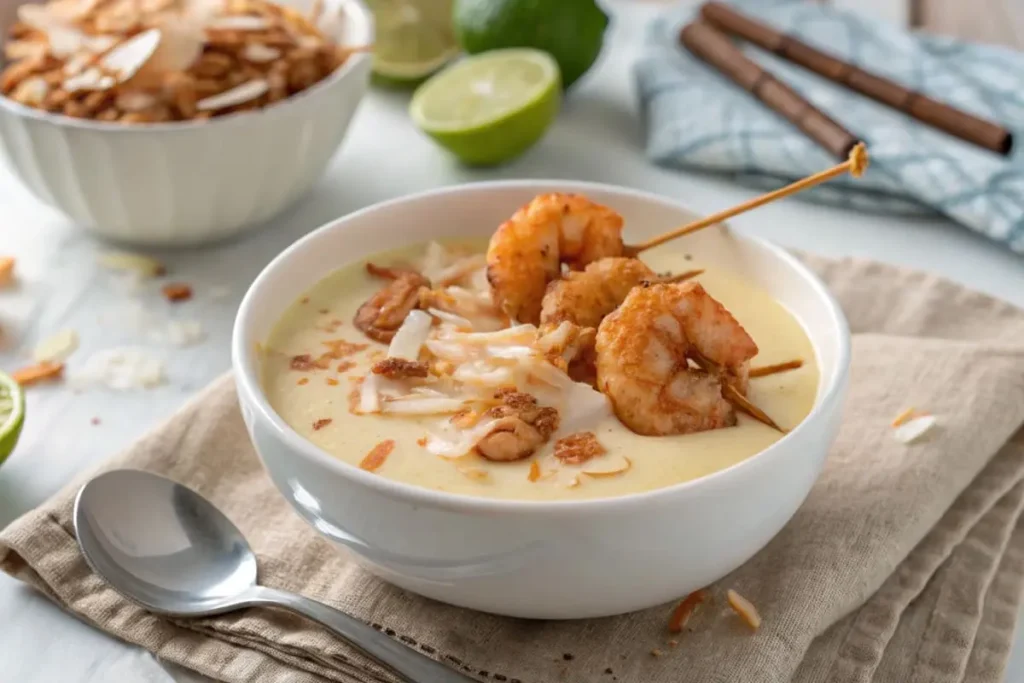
733	396
775	369
855	165
730	392
681	277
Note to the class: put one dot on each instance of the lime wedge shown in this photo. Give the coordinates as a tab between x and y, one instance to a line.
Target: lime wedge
414	39
12	414
491	107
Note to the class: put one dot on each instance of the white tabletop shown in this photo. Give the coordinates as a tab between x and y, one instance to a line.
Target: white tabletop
597	137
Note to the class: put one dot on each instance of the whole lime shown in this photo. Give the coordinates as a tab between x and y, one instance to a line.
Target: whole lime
571	31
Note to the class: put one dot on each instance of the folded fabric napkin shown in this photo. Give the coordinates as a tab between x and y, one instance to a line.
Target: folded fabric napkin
698	118
904	564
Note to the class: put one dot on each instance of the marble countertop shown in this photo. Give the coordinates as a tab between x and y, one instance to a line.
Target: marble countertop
597	137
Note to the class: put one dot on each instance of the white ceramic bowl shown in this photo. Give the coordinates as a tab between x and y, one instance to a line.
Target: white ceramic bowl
177	184
556	560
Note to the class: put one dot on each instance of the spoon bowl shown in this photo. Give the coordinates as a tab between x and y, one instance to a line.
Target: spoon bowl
165	547
161	544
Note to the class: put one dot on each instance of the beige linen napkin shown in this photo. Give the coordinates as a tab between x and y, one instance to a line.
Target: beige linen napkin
904	564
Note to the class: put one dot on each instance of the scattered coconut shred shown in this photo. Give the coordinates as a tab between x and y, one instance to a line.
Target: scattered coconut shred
120	369
166	60
458	360
911	425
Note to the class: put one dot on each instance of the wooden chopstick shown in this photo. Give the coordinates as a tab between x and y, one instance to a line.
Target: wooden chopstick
960	124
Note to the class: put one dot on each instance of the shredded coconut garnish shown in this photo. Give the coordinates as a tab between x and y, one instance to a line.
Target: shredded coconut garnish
914	429
56	348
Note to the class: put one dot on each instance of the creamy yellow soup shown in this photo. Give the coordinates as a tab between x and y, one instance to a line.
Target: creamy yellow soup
316	401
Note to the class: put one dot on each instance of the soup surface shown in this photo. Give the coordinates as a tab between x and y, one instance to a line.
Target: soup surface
319	397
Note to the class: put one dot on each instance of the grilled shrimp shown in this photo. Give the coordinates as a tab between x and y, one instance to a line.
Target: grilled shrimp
527	251
584	298
644	350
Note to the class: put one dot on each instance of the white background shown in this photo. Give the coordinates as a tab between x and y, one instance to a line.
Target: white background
598	137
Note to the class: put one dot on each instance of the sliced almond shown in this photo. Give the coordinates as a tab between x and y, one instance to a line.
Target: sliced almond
31	91
25	49
180	44
744	608
34	374
238	22
56	348
90	79
914	429
145	266
245	92
605	465
135	100
258	53
474	473
130	56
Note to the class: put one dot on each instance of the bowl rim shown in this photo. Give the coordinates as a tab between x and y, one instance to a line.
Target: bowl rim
251	393
339	75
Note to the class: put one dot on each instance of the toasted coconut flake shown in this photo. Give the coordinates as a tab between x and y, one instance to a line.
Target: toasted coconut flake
409	338
376	457
182	333
447	317
369	398
39	372
258	53
416	405
321	423
135	100
128	57
56	348
7	264
607	465
744	608
459	270
435	259
455	443
177	292
121	369
303	381
400	368
519	334
250	90
904	417
341	348
474	473
480	373
534	473
238	22
914	429
144	266
686	608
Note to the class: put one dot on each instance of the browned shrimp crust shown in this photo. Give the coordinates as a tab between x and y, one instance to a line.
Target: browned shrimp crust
527	251
643	359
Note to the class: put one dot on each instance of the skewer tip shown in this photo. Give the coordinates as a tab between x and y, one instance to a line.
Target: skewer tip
858	160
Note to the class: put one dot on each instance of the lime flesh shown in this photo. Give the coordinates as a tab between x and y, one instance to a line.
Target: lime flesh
414	39
492	107
12	414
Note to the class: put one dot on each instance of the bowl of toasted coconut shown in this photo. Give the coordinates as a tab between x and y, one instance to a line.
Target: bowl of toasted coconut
543	399
176	122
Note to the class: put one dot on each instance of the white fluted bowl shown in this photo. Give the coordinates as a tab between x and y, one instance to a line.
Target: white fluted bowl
549	560
176	184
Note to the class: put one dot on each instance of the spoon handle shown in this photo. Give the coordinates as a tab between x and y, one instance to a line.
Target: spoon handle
415	667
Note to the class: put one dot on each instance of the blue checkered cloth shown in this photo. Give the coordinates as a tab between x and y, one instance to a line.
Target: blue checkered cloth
696	118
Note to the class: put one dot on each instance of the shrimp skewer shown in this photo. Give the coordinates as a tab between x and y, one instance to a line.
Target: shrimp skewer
528	250
644	349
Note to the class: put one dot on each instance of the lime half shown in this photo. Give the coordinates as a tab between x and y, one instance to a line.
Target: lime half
414	39
12	414
491	107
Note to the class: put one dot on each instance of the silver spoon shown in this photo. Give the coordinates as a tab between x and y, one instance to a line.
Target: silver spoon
165	547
